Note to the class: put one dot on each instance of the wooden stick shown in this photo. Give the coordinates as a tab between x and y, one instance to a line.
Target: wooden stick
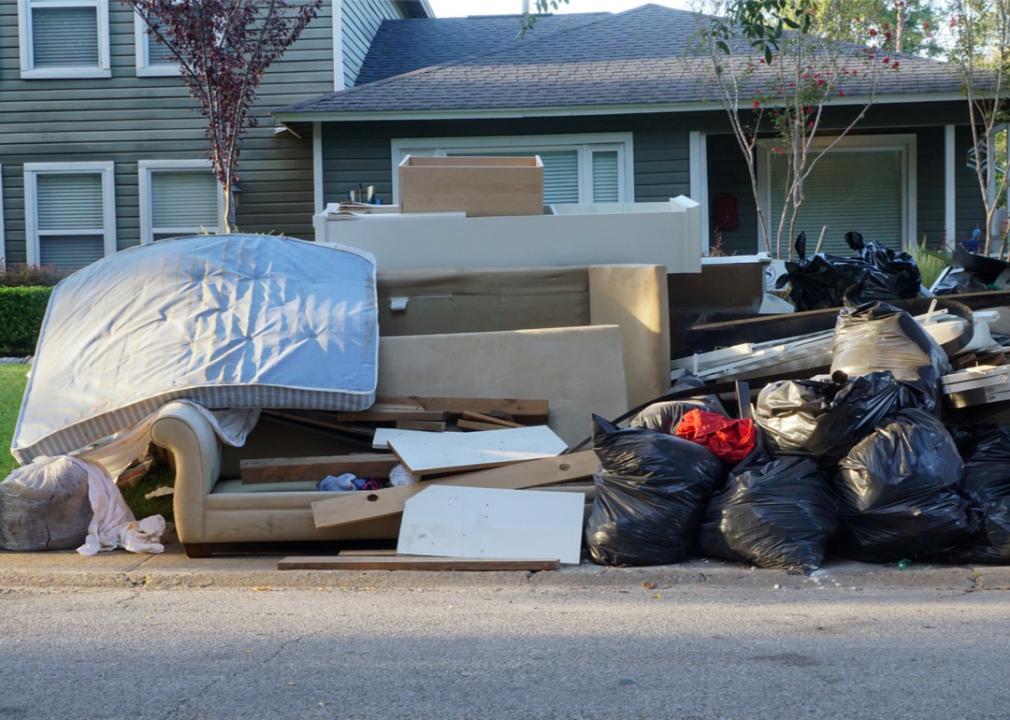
412	562
481	417
820	240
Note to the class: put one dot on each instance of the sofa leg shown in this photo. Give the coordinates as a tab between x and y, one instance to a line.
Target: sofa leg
198	550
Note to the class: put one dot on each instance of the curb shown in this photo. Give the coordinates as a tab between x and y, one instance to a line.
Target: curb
841	576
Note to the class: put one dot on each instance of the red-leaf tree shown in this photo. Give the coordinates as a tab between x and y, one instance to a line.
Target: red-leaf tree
223	48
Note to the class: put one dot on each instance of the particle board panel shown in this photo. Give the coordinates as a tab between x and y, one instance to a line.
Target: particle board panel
448	521
434	453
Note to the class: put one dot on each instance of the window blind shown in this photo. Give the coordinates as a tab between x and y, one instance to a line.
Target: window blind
64	37
860	191
605	176
184	200
157	53
71	252
69	202
561	175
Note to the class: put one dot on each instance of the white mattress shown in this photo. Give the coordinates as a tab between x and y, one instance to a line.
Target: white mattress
233	321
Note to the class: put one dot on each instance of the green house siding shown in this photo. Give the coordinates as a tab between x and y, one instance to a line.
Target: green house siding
361	21
970	208
355	153
125	119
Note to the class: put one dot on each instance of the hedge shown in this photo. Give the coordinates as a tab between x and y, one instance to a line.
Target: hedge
21	312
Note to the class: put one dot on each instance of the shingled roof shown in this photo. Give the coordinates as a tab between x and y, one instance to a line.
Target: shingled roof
401	46
645	57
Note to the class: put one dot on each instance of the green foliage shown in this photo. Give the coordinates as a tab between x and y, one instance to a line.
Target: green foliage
21	312
931	263
21	275
12	386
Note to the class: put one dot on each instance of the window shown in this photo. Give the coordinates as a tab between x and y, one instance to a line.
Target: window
866	184
153	59
178	197
64	38
70	213
577	168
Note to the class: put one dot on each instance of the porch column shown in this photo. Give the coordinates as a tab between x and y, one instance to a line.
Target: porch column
698	163
317	166
949	197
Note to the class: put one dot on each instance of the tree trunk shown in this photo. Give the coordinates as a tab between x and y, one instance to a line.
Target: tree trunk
899	29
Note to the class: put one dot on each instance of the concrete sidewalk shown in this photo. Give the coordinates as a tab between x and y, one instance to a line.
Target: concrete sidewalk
174	570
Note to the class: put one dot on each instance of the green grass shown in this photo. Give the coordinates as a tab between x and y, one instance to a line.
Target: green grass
12	386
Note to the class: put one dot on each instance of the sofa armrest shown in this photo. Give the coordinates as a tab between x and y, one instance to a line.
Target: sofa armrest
185	432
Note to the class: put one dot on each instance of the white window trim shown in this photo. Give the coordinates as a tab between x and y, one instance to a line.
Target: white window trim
142	44
32	232
144	170
698	170
906	144
30	72
338	45
587	143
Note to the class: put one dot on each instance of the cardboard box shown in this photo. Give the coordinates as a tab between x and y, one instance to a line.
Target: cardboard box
478	186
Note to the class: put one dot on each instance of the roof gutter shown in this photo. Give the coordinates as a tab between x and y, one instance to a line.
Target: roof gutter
571	110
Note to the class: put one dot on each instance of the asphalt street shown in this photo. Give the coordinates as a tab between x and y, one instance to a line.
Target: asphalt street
482	652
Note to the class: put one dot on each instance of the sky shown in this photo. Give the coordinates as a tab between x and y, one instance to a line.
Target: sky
458	8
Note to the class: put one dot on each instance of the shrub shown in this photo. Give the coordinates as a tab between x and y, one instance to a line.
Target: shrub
21	275
21	312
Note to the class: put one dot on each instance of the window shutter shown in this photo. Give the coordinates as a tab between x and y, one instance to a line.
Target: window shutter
71	252
70	202
561	176
858	191
605	176
184	199
65	37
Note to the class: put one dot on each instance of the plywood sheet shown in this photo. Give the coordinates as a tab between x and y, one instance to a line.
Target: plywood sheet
578	370
448	521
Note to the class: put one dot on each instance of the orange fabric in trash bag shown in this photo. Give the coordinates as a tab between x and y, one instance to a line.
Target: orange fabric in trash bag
730	440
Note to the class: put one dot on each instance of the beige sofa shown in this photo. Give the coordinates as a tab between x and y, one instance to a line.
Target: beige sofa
602	343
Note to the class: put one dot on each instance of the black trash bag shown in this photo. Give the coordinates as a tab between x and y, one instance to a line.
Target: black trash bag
986	485
651	493
823	419
876	337
955	281
773	514
894	274
874	273
665	416
898	492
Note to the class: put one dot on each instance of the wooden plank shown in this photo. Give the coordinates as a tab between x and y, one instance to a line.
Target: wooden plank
380	441
474	425
421	425
391	412
367	506
399	562
491	419
270	470
434	453
519	408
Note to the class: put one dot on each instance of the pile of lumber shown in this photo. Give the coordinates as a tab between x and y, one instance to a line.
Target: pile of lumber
471	460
